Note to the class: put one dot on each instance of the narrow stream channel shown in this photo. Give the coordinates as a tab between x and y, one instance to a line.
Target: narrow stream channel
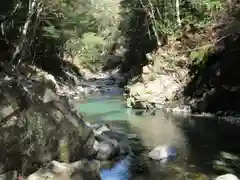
206	147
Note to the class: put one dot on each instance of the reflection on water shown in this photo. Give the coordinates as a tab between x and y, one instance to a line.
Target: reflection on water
201	143
120	171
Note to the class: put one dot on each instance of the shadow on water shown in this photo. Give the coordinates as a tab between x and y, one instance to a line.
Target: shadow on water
213	144
206	146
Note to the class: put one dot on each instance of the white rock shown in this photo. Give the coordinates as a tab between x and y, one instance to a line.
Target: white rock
227	177
100	130
96	145
51	79
153	92
147	69
161	152
76	97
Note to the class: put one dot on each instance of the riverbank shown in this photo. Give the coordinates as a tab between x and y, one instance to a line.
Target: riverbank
60	129
161	82
200	134
38	106
38	122
199	78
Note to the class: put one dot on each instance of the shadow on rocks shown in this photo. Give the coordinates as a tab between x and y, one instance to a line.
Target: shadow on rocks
36	126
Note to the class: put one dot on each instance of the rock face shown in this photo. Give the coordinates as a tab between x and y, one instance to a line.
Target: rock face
152	94
9	175
215	86
37	126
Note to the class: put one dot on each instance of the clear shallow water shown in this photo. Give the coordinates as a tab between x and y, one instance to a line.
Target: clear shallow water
206	147
103	108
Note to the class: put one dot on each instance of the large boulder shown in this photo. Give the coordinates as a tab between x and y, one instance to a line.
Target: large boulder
109	144
37	126
152	94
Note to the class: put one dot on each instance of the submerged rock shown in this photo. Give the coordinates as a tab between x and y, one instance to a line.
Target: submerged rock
111	147
120	171
227	177
122	139
109	144
107	150
162	153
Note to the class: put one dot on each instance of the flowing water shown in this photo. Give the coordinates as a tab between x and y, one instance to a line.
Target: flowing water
206	147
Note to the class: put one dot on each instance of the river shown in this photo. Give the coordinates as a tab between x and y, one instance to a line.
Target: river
206	147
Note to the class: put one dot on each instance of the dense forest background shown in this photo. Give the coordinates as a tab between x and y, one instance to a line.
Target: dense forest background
88	33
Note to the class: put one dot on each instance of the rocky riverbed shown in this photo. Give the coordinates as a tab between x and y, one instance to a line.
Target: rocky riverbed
155	90
98	83
37	109
55	142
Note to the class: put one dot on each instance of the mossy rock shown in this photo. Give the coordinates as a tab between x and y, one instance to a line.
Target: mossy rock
34	132
199	56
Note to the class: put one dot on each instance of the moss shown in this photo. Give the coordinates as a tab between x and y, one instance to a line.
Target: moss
196	176
199	57
64	151
148	91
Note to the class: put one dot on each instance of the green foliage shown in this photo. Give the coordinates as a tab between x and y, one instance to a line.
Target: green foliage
87	28
163	15
84	30
74	28
146	23
91	49
199	56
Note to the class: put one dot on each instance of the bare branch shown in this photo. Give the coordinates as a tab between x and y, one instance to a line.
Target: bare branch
22	45
12	13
